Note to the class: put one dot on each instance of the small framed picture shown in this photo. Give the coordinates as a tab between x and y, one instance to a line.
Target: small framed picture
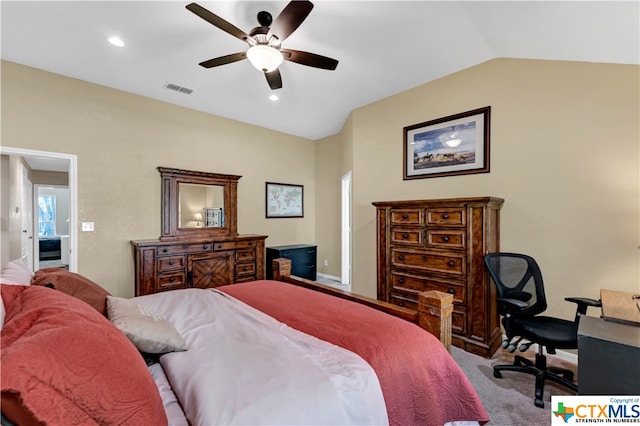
284	200
448	146
213	217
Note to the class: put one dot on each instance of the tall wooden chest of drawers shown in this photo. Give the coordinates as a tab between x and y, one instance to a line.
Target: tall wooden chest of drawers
439	245
172	265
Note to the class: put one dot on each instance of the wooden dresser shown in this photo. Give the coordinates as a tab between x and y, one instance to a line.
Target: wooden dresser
192	252
303	259
206	263
439	245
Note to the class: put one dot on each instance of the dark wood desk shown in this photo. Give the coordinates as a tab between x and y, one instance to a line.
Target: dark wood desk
608	357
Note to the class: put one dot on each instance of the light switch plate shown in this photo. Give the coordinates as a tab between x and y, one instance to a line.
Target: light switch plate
87	226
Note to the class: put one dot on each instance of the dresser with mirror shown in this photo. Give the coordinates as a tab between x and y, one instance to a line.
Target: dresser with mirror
199	245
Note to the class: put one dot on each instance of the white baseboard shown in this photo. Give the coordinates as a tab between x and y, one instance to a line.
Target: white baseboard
329	277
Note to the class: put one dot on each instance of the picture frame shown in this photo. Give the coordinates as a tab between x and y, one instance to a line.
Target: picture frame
284	200
454	145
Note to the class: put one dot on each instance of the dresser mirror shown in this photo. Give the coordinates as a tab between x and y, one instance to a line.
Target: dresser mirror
201	206
197	204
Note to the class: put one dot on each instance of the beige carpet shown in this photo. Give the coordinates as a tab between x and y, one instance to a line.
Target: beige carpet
509	400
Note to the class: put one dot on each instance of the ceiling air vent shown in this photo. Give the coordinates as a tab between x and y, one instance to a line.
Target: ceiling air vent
178	88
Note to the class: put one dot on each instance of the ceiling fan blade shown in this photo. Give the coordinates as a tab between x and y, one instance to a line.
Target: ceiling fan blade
219	22
274	79
289	19
222	60
309	59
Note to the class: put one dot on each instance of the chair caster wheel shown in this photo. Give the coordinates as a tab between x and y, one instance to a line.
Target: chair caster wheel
539	403
497	374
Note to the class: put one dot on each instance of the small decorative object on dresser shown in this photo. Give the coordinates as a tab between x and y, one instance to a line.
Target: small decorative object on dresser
303	259
197	256
439	245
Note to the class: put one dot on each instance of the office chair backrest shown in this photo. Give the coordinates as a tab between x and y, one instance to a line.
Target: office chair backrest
517	276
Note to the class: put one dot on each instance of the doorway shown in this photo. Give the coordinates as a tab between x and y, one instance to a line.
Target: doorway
51	224
46	162
346	229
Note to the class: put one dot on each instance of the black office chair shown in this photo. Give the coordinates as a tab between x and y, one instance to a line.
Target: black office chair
520	299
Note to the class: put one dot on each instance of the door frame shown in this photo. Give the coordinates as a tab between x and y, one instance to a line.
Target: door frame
73	193
346	228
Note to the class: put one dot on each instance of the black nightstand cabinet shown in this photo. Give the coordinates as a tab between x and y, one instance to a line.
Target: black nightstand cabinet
303	260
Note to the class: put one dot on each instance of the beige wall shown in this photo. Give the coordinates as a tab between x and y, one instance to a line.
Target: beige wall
121	138
334	159
564	155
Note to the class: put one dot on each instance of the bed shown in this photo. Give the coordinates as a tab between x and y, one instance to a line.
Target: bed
263	352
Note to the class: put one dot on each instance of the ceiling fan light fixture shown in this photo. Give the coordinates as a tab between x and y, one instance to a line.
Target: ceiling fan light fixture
264	58
453	142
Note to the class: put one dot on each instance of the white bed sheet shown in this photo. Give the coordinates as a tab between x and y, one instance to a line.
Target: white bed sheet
175	415
244	367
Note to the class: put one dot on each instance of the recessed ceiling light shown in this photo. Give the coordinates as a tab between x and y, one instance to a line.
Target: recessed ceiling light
273	97
116	41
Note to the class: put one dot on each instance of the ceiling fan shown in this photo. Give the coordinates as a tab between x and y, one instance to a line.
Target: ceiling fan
265	52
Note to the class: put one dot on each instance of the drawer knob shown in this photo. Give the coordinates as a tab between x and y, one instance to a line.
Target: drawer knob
164	250
173	279
405	236
171	262
445	216
400	303
445	238
405	216
451	263
219	245
401	257
451	291
204	247
401	280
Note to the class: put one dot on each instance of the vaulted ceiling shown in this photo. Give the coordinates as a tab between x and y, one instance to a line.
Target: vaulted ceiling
383	47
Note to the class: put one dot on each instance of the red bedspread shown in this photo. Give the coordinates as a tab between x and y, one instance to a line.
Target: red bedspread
421	383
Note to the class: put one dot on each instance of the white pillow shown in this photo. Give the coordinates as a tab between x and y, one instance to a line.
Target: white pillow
148	331
16	272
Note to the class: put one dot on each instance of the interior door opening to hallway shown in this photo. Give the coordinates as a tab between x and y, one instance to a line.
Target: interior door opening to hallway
346	229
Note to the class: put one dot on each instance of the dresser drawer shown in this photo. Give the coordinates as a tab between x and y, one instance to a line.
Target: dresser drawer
450	264
245	269
231	245
445	238
172	281
173	249
459	321
407	216
402	282
171	263
412	237
247	255
447	216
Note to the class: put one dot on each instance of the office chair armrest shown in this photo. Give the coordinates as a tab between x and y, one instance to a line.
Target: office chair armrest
583	303
512	303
